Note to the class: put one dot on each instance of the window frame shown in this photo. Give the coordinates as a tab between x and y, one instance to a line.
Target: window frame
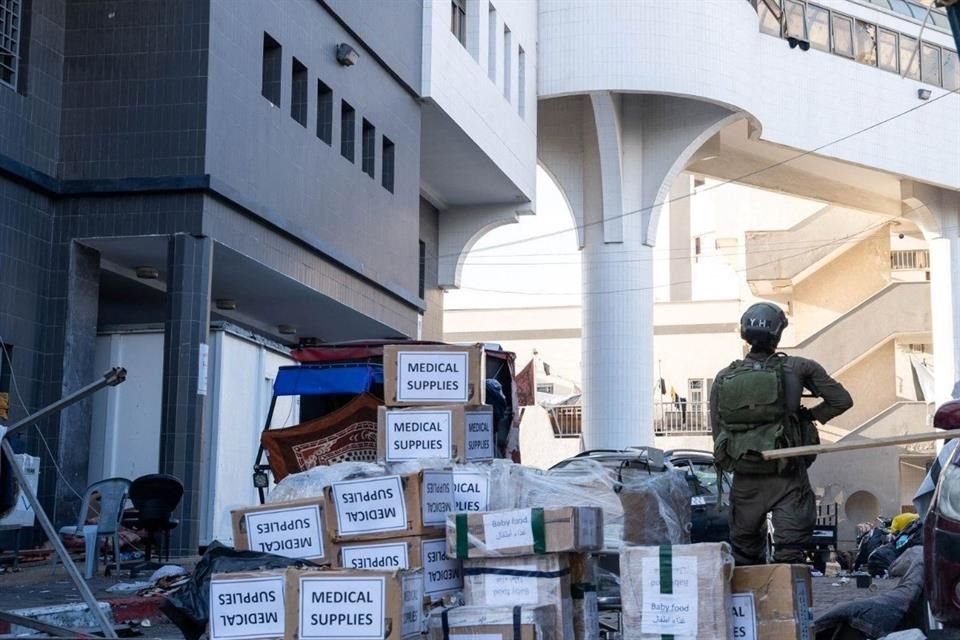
266	85
836	16
14	34
299	92
346	109
916	59
938	66
786	19
944	54
896	49
368	148
388	163
324	112
806	18
458	20
856	42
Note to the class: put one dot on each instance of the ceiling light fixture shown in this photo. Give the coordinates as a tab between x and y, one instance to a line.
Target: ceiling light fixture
147	273
286	329
226	304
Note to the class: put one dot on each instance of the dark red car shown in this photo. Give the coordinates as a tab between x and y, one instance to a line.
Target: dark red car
941	531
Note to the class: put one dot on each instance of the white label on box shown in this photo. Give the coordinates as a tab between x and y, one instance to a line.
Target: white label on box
293	532
479	434
510	591
669	613
246	607
414	435
588	527
744	616
370	506
412	607
382	557
433	376
508	529
441	574
802	601
337	607
445	492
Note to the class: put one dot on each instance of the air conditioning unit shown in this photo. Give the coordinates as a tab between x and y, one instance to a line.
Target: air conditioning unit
22	514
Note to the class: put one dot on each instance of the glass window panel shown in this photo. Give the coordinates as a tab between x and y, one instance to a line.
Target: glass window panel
951	70
939	19
887	50
917	11
796	25
866	42
900	7
881	3
843	35
907	47
768	21
818	27
930	63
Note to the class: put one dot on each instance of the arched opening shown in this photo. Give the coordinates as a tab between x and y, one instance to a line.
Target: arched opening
862	506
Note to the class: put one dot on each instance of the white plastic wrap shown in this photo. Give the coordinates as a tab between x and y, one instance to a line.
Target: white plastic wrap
311	483
656	508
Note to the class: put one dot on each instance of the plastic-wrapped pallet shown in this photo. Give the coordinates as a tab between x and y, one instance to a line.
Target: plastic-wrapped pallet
524	532
681	591
525	580
494	623
312	482
656	509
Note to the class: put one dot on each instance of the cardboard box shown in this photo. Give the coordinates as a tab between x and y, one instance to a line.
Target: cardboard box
433	374
376	508
446	433
529	580
524	532
337	605
583	591
442	575
293	529
247	605
491	623
447	491
772	602
681	591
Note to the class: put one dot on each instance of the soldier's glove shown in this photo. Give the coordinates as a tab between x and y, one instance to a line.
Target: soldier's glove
805	415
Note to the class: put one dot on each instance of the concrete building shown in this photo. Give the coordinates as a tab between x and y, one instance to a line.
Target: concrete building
191	187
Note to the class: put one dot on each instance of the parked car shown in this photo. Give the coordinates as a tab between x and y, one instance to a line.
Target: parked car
941	531
710	491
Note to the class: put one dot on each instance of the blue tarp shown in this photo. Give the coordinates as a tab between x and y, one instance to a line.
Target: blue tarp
318	380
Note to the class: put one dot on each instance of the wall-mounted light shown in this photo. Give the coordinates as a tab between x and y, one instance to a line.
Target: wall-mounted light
347	55
147	273
225	304
923	94
286	329
798	42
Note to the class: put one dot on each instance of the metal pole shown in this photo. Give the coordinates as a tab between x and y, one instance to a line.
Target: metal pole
110	379
54	537
852	445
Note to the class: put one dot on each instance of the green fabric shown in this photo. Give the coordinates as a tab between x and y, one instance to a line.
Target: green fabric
666	576
462	530
753	416
539	531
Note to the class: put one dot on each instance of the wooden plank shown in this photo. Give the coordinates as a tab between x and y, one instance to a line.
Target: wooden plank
852	445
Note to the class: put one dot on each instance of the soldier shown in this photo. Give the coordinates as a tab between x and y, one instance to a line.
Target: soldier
755	406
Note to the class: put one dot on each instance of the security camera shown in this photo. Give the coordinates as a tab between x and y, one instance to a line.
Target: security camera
798	42
347	55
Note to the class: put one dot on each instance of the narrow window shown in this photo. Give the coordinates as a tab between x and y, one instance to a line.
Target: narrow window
843	36
423	269
818	27
324	112
866	42
10	32
930	63
386	171
298	85
951	70
887	50
507	76
907	47
369	148
770	13
272	68
492	44
458	20
348	131
521	82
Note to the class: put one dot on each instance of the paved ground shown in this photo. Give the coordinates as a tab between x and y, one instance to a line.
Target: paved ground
828	592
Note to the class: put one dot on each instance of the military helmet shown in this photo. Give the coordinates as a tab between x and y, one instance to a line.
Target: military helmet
763	324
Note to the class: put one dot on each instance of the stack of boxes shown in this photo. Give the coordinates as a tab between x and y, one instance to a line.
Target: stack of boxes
380	540
522	568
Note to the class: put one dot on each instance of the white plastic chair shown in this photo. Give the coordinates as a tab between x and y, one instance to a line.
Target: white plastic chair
113	496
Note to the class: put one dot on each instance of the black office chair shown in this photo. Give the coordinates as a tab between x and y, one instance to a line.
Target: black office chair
155	497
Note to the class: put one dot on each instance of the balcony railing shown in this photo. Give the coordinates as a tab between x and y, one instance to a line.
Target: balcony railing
910	260
681	418
670	419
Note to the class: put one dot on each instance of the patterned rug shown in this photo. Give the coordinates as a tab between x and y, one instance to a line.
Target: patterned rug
347	434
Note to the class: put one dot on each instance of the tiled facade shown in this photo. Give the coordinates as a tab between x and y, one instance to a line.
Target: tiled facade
132	129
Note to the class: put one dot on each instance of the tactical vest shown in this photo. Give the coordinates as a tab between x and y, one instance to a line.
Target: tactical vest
754	416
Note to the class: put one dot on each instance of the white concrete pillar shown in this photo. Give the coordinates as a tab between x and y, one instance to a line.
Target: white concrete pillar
945	312
680	258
